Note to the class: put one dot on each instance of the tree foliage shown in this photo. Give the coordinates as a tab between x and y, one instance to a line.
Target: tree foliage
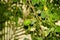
39	14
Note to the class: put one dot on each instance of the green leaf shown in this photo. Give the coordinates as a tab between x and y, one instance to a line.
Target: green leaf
35	2
27	22
16	0
40	38
24	1
7	14
43	15
16	20
43	1
19	13
57	29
